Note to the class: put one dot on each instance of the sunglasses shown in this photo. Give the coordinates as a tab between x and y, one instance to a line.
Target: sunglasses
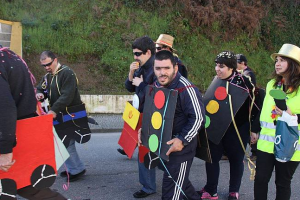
48	64
138	53
160	48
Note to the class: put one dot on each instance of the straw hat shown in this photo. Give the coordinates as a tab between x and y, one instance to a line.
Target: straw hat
165	39
290	51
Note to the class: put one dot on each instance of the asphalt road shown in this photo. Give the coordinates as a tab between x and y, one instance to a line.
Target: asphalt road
113	176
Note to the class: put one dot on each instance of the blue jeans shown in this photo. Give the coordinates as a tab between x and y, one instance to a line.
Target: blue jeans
74	164
147	178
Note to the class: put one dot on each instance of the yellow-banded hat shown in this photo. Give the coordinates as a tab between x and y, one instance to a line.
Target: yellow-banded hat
288	50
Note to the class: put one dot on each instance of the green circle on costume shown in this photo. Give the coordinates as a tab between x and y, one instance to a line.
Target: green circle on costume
207	121
156	120
277	94
153	143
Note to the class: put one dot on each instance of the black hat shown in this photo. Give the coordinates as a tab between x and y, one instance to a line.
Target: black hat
241	58
228	58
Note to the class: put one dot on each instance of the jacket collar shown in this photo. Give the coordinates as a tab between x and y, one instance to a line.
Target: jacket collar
59	69
149	63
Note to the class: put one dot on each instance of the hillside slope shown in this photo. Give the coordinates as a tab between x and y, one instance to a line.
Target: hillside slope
94	36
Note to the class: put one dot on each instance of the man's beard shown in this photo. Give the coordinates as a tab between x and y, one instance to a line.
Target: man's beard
168	78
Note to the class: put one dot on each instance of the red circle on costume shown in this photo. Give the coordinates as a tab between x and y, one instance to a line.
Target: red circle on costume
220	93
159	99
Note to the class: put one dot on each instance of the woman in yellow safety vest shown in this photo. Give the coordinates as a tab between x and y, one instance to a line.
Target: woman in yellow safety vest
286	77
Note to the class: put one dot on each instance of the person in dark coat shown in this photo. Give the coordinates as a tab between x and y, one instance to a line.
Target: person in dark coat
140	75
243	68
17	102
234	134
59	86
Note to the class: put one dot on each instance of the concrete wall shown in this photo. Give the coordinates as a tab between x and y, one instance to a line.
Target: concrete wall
107	110
105	103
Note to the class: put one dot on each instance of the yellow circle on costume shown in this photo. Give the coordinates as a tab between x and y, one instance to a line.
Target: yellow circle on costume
212	107
156	120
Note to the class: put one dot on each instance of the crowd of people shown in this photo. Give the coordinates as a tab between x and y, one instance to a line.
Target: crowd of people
233	112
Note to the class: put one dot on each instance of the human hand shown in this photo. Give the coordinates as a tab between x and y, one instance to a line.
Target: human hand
140	137
278	111
176	145
53	113
137	80
254	138
39	96
6	161
134	66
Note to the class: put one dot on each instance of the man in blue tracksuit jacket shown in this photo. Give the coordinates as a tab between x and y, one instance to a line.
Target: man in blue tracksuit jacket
188	119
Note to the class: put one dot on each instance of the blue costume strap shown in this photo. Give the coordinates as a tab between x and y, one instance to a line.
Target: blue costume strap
161	135
67	117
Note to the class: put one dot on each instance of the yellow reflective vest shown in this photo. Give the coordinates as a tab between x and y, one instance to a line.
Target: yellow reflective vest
267	135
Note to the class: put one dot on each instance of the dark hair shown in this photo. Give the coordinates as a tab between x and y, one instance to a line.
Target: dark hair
144	43
165	55
292	73
228	58
47	54
167	47
241	58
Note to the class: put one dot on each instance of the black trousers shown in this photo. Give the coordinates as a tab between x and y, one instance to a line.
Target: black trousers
32	193
180	174
253	149
284	172
231	144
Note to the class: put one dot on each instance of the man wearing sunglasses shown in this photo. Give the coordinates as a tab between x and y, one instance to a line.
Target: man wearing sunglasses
140	75
165	42
59	86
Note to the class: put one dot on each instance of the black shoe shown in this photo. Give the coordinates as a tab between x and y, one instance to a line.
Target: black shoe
141	194
121	151
76	176
63	174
